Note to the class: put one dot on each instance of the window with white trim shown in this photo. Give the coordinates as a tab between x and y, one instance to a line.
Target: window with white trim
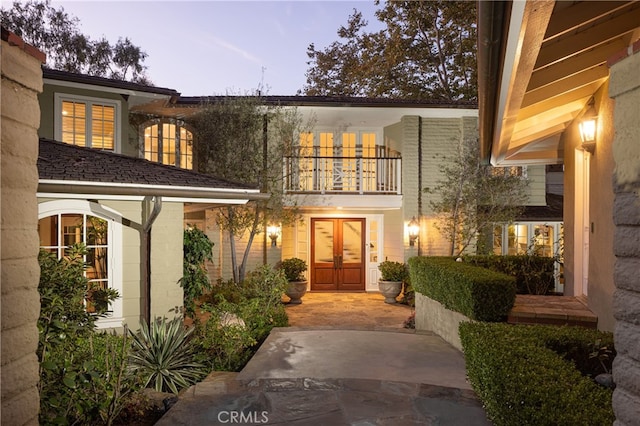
63	223
89	122
168	143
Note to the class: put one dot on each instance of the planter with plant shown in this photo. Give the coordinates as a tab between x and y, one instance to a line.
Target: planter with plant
392	276
294	272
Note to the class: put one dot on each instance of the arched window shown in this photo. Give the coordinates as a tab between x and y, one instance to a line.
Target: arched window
63	223
168	143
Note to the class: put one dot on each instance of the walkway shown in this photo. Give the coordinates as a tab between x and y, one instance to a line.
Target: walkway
346	359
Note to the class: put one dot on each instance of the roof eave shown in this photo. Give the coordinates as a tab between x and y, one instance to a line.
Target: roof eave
191	194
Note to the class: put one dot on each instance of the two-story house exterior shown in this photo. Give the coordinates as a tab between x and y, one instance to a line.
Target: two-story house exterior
96	188
358	178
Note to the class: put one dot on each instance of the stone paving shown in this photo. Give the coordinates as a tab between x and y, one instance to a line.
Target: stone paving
346	359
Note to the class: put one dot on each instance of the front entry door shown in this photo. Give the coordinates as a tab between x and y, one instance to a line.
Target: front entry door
337	254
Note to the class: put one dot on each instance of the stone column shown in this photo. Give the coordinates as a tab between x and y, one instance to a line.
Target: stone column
20	308
624	89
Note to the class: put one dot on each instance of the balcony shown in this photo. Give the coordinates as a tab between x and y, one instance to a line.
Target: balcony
339	175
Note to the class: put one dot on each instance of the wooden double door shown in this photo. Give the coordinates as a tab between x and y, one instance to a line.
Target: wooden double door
337	254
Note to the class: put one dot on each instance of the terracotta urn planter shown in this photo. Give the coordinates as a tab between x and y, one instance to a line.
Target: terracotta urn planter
295	291
390	290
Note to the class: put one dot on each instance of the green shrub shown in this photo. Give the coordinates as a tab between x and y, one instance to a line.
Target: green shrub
292	268
221	344
163	355
533	274
82	373
525	376
195	282
393	271
254	307
476	292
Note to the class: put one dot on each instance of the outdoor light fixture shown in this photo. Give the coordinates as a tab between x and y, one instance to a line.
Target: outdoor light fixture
414	231
273	231
588	128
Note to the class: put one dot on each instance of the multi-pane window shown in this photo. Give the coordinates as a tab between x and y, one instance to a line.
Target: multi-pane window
169	143
87	122
345	161
64	223
59	232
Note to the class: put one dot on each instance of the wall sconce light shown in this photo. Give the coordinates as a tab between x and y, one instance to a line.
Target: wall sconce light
273	231
588	128
414	231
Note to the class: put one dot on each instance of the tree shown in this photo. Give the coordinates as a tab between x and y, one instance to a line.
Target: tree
471	196
427	51
240	139
56	33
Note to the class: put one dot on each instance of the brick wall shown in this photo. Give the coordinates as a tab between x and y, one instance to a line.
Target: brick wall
21	83
624	89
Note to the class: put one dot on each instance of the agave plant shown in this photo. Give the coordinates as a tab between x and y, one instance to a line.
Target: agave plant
162	354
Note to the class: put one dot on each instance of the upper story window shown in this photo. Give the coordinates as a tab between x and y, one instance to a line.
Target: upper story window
168	143
85	121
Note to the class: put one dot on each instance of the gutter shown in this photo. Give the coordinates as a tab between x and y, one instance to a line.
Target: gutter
493	17
79	187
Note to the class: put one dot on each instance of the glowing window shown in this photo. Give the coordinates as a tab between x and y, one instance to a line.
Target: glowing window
169	143
87	122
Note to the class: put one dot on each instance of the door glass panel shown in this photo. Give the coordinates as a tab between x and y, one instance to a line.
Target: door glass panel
373	241
323	234
352	241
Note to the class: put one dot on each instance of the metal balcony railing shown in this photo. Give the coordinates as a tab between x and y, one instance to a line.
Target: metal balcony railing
360	175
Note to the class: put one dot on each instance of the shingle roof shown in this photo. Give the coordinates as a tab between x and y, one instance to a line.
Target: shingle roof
335	101
553	211
106	82
61	161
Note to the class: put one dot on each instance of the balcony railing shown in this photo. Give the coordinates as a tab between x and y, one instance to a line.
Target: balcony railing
360	175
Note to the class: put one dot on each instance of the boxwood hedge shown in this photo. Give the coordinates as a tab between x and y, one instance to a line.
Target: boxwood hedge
478	293
527	375
534	274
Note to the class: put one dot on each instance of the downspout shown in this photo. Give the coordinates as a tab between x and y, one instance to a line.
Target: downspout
146	250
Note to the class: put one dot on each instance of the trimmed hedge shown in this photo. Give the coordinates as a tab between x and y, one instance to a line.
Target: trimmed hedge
478	293
527	375
534	274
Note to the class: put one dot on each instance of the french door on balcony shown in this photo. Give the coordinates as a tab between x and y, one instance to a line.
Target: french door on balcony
337	254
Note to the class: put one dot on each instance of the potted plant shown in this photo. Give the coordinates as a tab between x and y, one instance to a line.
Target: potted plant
393	274
293	269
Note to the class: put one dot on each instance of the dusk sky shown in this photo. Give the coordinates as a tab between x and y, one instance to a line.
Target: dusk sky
222	47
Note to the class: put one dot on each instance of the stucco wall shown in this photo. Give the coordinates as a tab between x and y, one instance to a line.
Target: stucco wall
601	227
166	260
601	258
625	90
21	82
432	316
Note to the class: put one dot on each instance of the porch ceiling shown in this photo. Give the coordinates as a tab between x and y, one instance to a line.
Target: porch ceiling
555	55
